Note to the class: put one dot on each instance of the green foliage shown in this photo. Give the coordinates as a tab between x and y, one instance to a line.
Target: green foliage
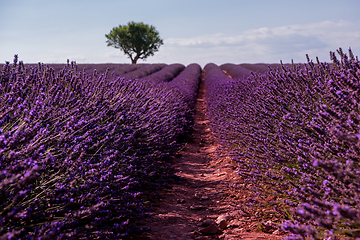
137	40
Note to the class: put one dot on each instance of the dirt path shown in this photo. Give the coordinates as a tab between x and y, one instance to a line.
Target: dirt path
204	194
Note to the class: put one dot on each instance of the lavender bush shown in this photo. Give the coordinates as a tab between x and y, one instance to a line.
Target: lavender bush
166	74
296	129
79	152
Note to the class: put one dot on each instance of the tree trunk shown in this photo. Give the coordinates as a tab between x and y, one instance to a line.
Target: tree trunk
135	58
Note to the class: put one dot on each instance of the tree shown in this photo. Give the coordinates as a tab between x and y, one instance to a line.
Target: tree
137	40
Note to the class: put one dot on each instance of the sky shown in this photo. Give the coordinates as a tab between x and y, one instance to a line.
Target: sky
193	31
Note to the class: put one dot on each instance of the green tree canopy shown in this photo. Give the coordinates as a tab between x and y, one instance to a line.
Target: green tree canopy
137	40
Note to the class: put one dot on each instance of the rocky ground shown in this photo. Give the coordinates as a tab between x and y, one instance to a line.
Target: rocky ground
204	205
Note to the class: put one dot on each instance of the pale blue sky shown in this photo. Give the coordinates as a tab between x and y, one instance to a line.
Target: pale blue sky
201	31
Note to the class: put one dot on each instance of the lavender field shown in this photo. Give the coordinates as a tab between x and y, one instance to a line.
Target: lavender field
83	147
79	151
295	129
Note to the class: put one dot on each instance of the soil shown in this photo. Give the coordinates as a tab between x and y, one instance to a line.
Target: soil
205	192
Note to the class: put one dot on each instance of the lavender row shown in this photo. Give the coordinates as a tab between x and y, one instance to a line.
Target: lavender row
166	74
143	71
297	129
113	69
219	101
79	152
185	86
187	83
330	187
236	71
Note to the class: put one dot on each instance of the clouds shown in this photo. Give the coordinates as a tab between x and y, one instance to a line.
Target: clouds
269	44
319	31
